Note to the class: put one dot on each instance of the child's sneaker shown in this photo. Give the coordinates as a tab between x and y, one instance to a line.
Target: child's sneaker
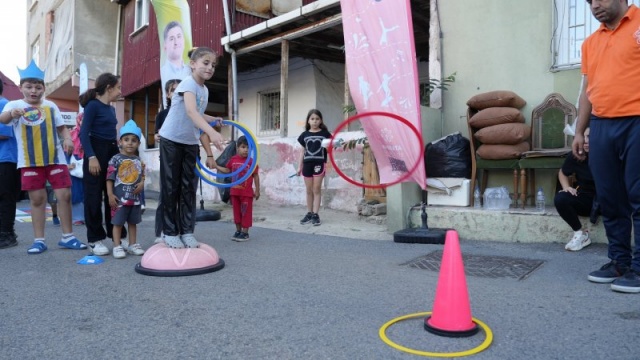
56	220
306	219
242	237
98	248
7	240
135	249
315	220
119	253
235	235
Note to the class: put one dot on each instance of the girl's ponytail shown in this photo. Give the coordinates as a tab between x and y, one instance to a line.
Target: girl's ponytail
103	82
87	96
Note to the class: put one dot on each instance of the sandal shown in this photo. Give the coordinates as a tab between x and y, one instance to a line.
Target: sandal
73	244
38	247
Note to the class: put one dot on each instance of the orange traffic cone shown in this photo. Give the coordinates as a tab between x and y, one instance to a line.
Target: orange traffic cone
451	314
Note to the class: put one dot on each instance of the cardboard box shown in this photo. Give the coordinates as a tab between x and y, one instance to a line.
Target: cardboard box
448	191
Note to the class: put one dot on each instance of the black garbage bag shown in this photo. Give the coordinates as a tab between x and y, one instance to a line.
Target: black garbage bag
449	156
222	160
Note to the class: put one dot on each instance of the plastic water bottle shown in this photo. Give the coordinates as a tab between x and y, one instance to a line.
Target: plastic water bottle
540	200
476	198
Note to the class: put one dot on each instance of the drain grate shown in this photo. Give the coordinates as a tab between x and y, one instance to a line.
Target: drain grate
480	265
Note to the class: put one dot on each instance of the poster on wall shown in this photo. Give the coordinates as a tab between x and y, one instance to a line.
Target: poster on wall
69	117
174	31
383	76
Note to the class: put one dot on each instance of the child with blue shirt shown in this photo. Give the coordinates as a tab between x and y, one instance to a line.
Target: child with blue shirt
11	180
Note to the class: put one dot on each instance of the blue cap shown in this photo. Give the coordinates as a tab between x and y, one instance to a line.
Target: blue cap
31	72
130	127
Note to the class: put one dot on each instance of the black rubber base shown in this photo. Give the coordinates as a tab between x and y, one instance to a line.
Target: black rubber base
173	273
420	236
447	333
207	215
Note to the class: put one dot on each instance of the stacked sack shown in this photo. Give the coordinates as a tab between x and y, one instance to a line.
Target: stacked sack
500	125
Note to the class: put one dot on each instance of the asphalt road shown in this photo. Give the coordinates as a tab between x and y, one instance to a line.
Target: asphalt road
289	295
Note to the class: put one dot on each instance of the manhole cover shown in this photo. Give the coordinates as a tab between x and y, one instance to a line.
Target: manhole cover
480	265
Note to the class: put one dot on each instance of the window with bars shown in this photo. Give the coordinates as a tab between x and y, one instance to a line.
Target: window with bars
269	113
573	23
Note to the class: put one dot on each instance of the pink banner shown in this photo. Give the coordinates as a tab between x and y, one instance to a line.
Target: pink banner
383	76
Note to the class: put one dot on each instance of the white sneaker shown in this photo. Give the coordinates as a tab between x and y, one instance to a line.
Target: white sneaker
189	240
579	241
98	248
119	253
173	241
135	249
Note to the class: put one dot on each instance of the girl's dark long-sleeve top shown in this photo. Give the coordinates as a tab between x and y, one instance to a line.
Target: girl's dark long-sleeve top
99	121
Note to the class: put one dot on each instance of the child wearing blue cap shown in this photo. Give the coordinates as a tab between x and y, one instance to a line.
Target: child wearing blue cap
39	128
125	182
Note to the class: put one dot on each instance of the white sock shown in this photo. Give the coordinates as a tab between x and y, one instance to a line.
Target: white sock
67	237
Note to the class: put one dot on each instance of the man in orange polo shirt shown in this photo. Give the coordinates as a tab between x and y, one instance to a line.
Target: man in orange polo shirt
610	106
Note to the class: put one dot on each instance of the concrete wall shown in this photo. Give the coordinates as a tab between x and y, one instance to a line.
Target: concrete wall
95	36
497	46
302	93
90	27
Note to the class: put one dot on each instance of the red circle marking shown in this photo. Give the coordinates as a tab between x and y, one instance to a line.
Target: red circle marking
375	113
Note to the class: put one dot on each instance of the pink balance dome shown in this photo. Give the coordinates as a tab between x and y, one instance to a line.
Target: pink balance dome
161	260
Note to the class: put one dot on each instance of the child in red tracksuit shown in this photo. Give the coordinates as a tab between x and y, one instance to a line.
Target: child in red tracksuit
242	194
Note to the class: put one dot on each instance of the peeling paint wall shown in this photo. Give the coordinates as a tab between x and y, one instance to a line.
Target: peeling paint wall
278	161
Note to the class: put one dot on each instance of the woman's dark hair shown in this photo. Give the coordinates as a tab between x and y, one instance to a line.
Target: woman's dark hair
316	112
103	82
167	87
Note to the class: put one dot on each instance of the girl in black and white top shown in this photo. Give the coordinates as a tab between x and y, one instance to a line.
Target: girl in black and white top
312	163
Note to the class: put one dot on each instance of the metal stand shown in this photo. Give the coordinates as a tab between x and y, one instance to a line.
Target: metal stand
421	235
206	215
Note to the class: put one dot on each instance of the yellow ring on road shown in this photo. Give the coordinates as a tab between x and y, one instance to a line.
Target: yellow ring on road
485	344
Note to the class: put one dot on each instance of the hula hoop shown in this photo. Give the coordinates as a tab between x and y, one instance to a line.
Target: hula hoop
252	144
483	346
375	113
249	134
